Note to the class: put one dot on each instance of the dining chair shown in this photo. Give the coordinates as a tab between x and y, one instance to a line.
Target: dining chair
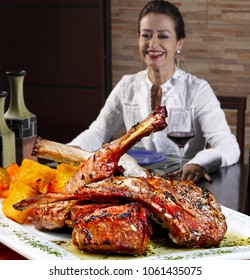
239	104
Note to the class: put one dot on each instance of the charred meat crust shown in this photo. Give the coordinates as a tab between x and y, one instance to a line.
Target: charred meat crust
114	229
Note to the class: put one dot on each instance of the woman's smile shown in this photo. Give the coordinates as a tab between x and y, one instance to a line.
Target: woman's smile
152	54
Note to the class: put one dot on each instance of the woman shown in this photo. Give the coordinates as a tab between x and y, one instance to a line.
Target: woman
161	35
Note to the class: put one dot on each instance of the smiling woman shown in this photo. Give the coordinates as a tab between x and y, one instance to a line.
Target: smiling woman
161	35
158	44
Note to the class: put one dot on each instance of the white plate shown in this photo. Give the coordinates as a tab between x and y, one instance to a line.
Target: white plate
37	245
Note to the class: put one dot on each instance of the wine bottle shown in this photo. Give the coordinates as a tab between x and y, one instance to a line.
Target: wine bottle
19	119
7	137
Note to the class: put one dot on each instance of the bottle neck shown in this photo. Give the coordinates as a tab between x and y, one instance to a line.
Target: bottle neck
17	108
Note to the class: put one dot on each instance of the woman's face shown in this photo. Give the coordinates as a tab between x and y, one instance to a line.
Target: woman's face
157	41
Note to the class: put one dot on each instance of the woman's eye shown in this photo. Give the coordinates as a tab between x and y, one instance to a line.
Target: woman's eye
145	35
162	36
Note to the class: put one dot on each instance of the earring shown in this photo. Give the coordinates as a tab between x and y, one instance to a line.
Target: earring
177	57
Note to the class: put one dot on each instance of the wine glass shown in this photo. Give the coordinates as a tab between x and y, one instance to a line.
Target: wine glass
180	127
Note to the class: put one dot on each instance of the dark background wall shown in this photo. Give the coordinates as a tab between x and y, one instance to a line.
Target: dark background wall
64	46
217	46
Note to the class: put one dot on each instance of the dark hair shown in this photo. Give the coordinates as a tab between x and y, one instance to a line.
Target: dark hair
166	8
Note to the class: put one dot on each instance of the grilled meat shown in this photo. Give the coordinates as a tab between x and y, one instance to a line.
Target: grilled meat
96	166
52	215
78	211
59	152
72	155
104	162
63	153
191	214
114	229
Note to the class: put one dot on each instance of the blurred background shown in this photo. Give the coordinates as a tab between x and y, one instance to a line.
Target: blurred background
75	51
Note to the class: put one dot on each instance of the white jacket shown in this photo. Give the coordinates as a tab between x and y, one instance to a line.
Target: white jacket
130	102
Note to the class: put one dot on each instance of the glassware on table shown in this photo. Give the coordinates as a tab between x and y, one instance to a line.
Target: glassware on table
180	127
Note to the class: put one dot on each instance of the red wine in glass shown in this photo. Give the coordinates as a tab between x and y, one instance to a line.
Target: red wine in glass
181	127
181	138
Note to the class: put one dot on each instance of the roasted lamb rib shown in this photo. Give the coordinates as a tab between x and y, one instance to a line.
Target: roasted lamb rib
111	228
191	214
104	163
58	152
95	166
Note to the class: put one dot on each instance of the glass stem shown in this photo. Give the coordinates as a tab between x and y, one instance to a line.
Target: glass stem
181	158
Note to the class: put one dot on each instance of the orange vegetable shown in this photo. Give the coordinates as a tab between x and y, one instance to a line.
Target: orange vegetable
63	173
4	182
12	171
35	175
29	179
7	176
18	191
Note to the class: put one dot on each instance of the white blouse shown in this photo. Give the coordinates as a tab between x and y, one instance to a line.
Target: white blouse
130	102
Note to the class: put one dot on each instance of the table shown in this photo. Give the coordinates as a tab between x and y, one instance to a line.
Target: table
8	254
230	186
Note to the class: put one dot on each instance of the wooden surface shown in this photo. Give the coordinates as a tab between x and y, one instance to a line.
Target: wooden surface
230	186
7	254
238	105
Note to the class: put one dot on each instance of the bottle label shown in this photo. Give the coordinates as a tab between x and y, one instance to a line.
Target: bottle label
24	128
25	133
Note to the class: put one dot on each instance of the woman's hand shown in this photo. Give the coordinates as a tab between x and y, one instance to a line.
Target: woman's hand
192	172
